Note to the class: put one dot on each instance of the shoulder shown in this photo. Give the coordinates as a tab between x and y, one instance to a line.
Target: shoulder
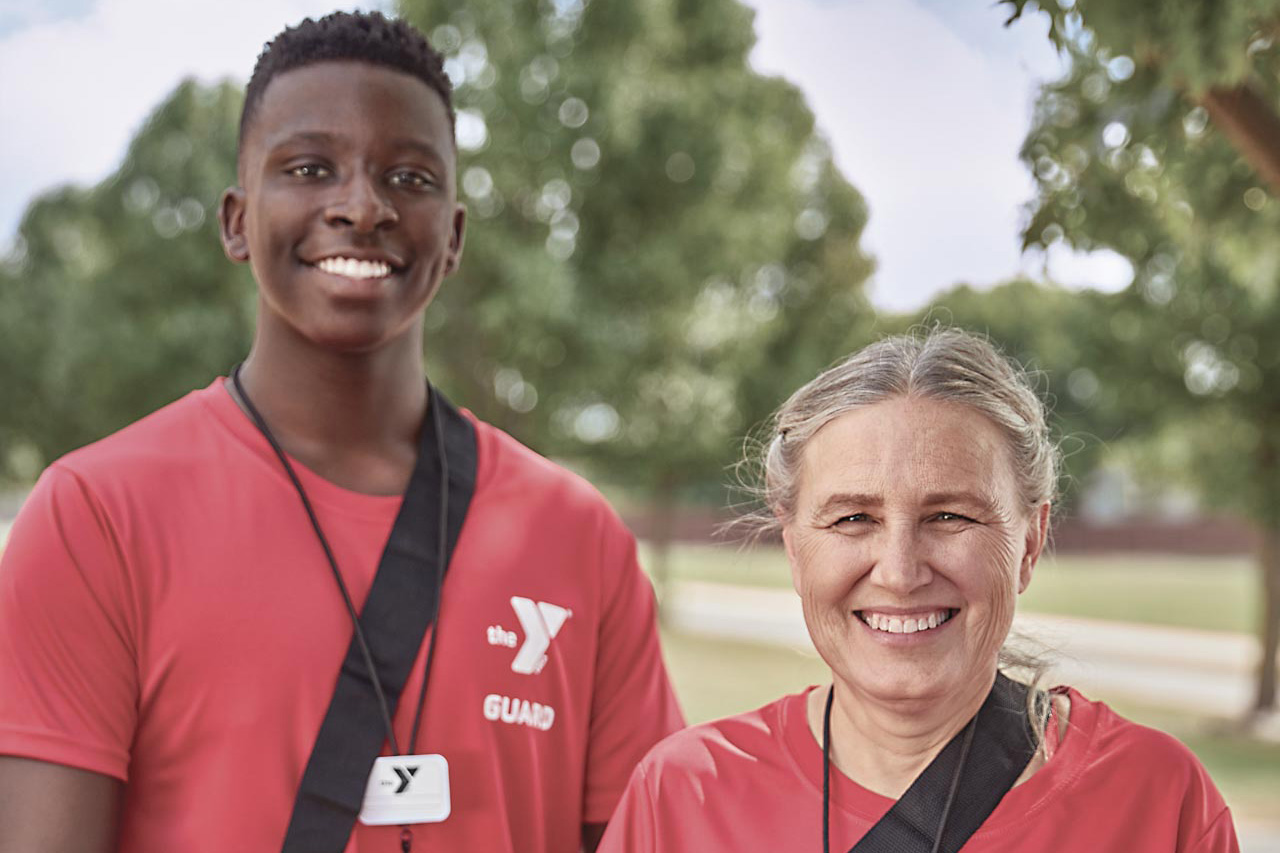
507	468
1124	749
176	432
1119	737
1125	768
717	748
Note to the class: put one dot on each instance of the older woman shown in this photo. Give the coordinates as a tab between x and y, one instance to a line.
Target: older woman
912	485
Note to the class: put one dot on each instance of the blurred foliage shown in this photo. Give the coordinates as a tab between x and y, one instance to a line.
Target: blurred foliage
1126	158
117	299
1191	45
1122	161
660	246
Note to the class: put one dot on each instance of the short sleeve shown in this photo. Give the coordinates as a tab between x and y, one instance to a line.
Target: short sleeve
1219	837
68	672
631	829
633	706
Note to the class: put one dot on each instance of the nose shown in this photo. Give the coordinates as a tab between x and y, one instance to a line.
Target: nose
361	203
901	566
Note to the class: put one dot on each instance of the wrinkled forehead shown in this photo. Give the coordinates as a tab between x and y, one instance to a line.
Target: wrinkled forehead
908	447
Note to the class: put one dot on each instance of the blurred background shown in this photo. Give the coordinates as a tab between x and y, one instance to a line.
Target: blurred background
681	210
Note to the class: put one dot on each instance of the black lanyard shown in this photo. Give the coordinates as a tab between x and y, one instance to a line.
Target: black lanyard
1005	745
433	405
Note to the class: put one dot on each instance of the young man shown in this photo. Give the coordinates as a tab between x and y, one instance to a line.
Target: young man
177	663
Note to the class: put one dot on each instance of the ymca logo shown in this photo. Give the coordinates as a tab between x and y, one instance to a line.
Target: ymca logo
405	775
540	621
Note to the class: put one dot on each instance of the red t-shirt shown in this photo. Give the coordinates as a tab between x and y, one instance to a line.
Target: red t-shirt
754	782
167	617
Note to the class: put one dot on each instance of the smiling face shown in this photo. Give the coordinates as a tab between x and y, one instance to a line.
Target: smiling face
347	208
908	546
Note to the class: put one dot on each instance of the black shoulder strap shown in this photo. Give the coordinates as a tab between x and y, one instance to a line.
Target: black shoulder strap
1002	746
395	618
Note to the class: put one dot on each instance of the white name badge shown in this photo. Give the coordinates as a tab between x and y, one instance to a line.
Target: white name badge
407	789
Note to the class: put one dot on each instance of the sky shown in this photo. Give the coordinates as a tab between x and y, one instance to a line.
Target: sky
925	104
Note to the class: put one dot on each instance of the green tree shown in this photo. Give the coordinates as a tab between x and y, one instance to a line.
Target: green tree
118	298
1062	336
660	246
1161	143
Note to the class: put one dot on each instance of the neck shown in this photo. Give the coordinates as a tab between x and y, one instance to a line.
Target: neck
884	746
353	418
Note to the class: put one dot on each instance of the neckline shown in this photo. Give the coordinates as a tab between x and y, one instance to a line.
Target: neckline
218	400
866	806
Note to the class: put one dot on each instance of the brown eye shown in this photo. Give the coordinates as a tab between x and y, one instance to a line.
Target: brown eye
410	179
310	170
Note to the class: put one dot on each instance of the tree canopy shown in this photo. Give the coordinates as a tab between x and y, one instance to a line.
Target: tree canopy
661	247
1159	145
118	298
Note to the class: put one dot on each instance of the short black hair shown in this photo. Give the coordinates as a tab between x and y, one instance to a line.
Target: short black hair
368	37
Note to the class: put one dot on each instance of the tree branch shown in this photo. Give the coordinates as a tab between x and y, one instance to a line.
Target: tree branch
1251	124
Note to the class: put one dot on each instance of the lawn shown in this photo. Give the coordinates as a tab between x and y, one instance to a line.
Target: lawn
719	677
1212	593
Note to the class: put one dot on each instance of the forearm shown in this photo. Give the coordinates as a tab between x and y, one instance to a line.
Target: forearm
49	808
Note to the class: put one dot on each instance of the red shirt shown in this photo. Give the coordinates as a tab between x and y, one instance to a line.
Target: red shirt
754	782
167	618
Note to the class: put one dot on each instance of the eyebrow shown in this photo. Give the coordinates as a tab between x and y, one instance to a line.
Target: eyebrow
844	499
305	136
322	137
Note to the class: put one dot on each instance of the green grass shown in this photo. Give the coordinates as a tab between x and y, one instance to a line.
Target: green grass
1211	593
715	678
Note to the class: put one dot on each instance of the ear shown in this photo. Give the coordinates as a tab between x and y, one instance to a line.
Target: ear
789	545
457	235
1037	537
231	225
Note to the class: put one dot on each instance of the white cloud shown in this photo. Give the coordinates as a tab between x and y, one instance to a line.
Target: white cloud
77	88
926	106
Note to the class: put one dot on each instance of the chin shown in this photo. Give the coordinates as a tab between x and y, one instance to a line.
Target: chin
352	335
906	687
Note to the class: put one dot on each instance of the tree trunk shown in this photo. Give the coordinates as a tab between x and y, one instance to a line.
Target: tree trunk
663	507
1252	126
1269	563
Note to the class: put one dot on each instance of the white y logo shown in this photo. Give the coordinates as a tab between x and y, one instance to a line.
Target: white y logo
541	622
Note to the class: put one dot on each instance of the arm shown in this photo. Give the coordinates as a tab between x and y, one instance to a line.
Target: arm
1220	837
633	704
591	835
49	808
68	683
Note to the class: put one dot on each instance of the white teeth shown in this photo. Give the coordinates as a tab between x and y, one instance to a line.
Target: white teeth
896	625
352	268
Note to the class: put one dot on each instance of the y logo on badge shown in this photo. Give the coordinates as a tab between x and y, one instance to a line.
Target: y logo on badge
541	622
406	775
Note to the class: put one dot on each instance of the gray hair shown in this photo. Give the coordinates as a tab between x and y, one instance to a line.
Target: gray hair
944	364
